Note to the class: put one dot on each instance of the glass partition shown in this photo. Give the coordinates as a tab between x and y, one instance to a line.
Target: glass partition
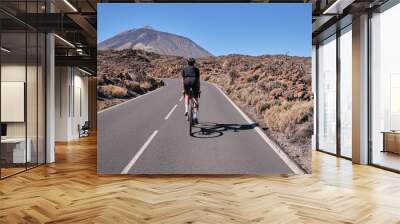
41	97
385	89
327	95
346	92
22	78
13	109
31	99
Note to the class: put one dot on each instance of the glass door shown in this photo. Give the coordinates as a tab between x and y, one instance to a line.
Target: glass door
385	89
32	99
327	95
14	154
346	92
22	78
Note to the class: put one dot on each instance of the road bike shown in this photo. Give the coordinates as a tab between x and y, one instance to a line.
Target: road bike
192	105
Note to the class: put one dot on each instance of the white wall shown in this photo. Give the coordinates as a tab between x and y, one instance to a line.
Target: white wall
70	83
13	72
62	82
80	89
33	126
10	73
13	101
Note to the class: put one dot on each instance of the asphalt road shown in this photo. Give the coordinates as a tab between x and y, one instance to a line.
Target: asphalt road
149	135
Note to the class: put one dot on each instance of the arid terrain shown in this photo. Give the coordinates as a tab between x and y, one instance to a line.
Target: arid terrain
122	76
275	90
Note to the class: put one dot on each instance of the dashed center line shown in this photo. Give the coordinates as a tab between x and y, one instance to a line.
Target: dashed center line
139	153
180	99
170	112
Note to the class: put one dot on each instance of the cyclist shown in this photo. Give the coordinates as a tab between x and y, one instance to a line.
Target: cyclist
191	80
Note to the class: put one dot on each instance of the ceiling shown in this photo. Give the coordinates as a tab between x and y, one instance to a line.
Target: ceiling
331	15
75	22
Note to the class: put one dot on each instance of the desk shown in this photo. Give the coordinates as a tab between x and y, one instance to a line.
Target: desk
16	148
391	141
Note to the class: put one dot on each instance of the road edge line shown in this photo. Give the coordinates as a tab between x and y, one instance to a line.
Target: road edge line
130	100
289	162
139	153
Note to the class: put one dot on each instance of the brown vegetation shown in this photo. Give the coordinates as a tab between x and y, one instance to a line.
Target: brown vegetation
122	76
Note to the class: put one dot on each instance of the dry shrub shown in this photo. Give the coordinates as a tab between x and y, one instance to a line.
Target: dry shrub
149	84
133	86
289	117
307	78
111	91
262	106
248	100
256	99
277	92
226	64
233	75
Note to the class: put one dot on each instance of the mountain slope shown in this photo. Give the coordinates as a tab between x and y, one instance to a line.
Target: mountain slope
151	40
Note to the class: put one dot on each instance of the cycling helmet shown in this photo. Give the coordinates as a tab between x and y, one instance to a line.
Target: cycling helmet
191	61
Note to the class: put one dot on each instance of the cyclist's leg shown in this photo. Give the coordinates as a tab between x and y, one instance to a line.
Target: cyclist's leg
186	97
195	102
196	92
186	88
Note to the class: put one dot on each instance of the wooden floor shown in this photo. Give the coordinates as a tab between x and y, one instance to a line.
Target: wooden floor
387	159
69	191
5	172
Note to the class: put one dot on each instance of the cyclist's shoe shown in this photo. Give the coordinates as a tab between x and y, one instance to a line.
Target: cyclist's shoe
186	114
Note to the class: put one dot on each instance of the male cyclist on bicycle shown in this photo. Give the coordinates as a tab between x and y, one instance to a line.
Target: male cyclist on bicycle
191	80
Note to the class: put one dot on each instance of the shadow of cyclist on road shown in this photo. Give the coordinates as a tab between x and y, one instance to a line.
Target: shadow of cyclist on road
213	130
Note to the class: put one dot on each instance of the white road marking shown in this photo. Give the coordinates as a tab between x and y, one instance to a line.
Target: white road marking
180	99
139	153
293	166
170	112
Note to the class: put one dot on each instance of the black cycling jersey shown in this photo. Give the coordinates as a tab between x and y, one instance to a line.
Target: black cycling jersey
191	80
191	71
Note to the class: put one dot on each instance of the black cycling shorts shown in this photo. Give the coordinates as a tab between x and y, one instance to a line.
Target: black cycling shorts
191	83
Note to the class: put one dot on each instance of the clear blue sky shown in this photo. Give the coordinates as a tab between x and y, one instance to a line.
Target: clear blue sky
243	28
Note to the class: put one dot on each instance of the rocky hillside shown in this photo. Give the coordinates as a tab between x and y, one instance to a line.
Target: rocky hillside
152	40
122	76
275	90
